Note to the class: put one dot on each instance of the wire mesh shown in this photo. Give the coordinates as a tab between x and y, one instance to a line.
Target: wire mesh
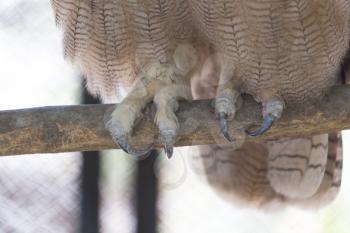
39	193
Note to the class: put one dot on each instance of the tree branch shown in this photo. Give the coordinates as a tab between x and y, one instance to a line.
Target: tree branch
81	128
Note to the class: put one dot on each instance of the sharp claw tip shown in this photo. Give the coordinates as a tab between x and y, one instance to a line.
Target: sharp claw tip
227	136
169	151
224	127
123	146
268	122
254	133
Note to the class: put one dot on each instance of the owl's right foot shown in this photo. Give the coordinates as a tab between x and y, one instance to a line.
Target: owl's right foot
228	101
226	105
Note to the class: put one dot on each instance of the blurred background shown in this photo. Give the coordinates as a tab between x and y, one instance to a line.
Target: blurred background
58	192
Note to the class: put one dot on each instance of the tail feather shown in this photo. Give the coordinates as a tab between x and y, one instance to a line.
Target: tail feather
304	172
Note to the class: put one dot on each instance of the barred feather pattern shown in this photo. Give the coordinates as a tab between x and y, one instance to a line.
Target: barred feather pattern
303	172
290	49
112	40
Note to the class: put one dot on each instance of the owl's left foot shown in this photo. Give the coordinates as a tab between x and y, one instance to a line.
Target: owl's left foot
124	117
164	85
272	111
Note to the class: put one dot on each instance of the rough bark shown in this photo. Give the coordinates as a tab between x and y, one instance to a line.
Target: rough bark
81	128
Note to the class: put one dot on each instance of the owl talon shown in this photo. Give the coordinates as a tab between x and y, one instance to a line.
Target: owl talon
224	126
266	125
169	149
168	140
272	111
124	145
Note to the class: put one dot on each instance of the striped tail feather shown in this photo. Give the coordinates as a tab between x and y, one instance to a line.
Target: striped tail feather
303	172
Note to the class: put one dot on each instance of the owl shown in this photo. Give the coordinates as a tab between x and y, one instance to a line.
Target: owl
283	53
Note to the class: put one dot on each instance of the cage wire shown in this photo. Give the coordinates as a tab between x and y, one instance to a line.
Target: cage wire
39	193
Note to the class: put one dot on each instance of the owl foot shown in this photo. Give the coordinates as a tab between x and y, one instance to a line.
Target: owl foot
126	114
164	85
272	111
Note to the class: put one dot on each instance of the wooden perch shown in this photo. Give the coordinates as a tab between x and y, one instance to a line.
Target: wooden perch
81	128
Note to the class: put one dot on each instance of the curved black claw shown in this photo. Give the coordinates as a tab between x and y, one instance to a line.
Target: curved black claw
124	145
168	138
266	125
169	149
224	126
